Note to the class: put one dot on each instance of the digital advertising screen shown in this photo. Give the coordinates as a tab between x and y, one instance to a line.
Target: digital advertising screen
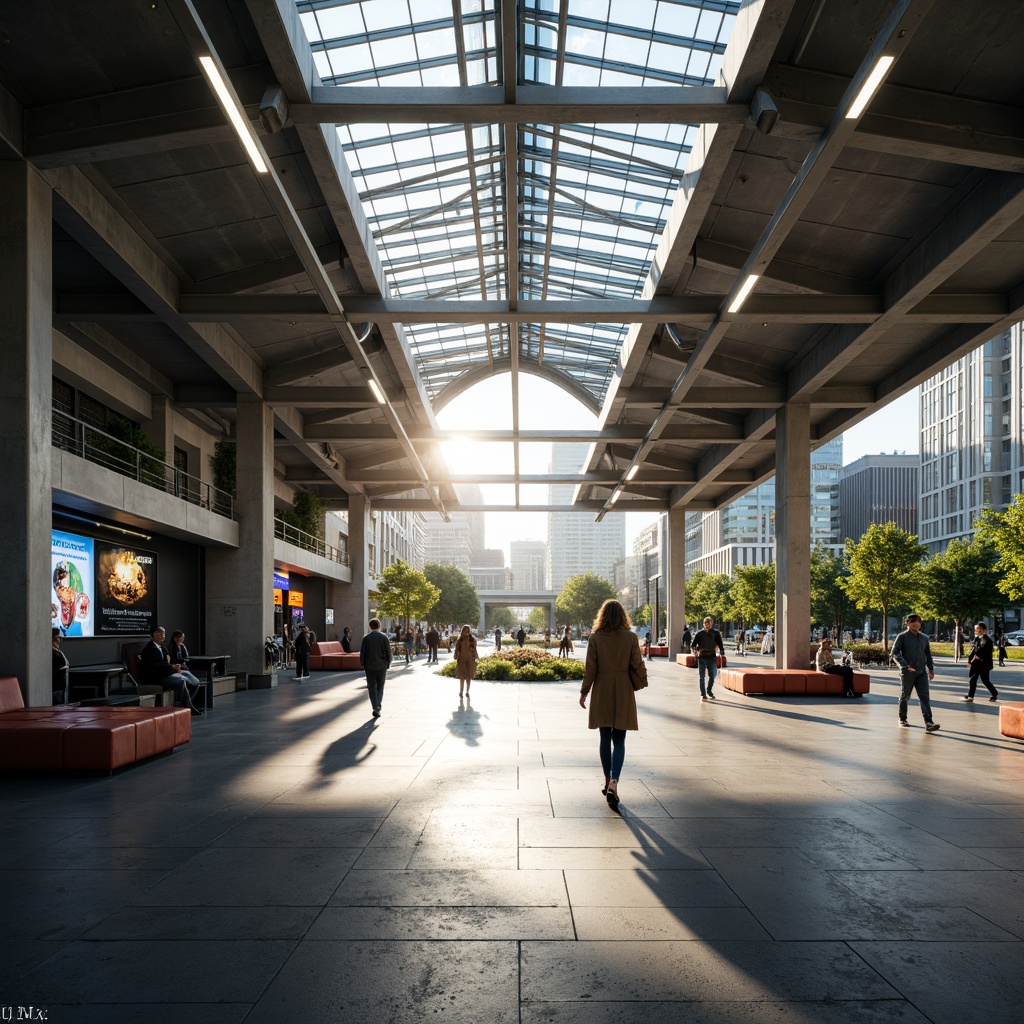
125	590
72	583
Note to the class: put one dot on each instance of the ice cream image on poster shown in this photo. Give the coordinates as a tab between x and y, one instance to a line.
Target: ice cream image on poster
72	582
125	590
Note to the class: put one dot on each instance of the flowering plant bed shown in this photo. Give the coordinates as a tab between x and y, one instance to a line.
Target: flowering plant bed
521	664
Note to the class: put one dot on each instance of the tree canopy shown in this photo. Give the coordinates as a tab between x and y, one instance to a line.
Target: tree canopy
581	598
500	615
885	569
708	594
405	593
753	593
458	601
1005	532
538	619
961	582
830	603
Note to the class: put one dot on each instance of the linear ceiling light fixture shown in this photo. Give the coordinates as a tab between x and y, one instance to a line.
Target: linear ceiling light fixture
741	295
632	472
870	86
234	112
616	494
377	393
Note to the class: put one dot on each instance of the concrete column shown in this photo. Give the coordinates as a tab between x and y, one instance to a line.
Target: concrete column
239	583
675	581
26	340
792	536
352	605
159	429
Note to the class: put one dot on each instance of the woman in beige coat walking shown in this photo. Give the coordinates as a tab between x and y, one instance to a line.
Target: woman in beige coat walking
613	659
465	658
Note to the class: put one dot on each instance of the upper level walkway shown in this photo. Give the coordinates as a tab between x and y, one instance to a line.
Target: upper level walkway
775	860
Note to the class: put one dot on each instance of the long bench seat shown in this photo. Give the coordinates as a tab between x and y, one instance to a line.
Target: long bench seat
1011	720
789	681
329	656
690	660
99	739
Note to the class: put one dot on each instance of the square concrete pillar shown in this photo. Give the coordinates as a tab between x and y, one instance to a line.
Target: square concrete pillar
352	600
26	460
675	584
793	536
240	583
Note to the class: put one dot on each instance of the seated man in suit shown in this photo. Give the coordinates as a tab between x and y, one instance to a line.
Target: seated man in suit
158	669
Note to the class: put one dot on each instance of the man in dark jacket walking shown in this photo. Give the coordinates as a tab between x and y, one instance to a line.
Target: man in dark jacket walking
704	645
375	660
979	662
913	653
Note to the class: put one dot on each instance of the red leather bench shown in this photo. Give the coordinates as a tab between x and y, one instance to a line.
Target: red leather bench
789	680
690	660
84	739
658	652
327	655
1011	720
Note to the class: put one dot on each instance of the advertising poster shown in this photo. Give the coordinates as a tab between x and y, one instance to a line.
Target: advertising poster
125	590
72	583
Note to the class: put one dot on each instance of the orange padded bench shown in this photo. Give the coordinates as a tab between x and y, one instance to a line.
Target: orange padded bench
328	655
690	660
657	652
1011	720
789	680
84	739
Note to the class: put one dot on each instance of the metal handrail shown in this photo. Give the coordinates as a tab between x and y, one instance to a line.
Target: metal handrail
293	535
103	449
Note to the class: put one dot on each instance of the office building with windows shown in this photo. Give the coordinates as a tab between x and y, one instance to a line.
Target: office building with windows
878	489
972	439
576	544
743	533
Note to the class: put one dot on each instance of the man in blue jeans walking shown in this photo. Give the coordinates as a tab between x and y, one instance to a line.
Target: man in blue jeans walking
913	653
704	646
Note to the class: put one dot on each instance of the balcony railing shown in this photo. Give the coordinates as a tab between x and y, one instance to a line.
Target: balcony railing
81	439
293	535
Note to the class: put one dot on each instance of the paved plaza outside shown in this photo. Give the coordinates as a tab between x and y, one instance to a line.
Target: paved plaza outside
774	860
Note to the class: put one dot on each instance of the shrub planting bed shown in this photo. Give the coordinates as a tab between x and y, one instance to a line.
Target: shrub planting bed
521	664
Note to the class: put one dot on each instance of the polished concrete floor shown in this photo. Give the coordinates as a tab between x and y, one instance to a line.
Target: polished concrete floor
774	860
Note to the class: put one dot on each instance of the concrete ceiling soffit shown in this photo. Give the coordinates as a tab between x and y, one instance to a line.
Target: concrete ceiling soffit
902	121
90	218
135	122
288	422
975	217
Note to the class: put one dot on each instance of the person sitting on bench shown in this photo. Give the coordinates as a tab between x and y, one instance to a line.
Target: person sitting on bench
159	670
824	662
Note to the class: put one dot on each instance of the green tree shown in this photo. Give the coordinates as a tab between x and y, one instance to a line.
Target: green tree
538	619
582	597
500	615
885	570
961	583
642	616
458	601
753	593
708	594
1005	532
405	593
830	603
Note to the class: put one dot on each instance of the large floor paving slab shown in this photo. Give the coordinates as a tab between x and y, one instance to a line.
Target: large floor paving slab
774	861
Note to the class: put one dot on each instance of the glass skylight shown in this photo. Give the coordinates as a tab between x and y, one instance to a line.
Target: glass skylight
593	199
